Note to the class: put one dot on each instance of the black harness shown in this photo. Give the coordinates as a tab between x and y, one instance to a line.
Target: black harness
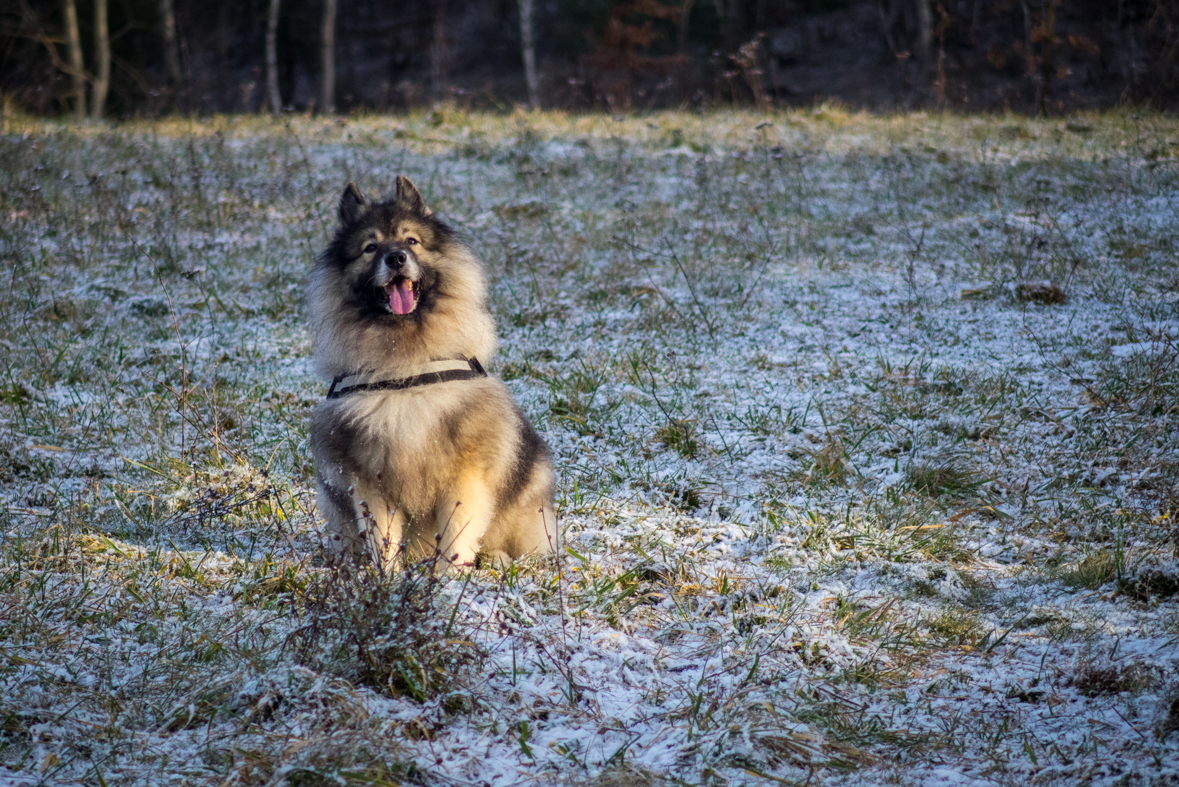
346	384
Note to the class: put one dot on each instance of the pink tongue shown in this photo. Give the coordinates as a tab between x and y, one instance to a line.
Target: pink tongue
401	297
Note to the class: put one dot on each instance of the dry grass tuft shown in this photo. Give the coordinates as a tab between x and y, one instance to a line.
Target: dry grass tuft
1040	292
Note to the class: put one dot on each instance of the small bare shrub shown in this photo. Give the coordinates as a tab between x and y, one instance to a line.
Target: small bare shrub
396	632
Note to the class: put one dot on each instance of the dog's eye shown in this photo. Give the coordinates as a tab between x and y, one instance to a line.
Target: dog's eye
411	241
370	248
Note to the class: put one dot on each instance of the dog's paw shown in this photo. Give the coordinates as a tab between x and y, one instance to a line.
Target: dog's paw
496	558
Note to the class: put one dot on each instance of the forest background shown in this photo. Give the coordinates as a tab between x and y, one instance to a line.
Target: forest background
143	58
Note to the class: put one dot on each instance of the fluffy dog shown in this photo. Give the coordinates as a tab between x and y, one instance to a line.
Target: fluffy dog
416	448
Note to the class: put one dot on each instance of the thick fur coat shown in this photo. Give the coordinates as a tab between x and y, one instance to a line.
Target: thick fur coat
451	466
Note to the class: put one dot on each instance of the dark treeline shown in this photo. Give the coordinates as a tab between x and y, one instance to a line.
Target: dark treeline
127	58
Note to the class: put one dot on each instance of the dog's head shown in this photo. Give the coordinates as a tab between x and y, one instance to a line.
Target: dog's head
395	259
396	286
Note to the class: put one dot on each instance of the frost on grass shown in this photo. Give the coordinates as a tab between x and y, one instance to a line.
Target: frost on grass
865	427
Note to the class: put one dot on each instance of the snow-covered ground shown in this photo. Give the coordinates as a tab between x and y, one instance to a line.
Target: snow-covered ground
865	429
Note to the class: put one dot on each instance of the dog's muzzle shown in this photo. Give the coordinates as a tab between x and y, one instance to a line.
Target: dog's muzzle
401	276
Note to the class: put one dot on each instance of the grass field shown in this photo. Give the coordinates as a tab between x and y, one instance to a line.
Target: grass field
866	430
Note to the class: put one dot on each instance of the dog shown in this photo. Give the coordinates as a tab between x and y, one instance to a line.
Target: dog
418	451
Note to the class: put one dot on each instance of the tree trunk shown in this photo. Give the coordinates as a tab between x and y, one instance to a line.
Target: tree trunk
888	18
1047	56
327	54
171	47
77	70
438	50
924	29
528	47
682	27
1029	53
272	59
225	101
102	51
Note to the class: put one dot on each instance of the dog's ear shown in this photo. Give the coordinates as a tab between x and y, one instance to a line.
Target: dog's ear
409	198
352	204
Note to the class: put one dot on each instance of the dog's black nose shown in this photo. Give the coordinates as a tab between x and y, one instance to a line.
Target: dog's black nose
396	258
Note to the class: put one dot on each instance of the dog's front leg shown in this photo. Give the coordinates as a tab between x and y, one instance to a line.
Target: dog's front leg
461	519
343	532
380	527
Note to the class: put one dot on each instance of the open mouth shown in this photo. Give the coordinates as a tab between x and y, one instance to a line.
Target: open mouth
402	295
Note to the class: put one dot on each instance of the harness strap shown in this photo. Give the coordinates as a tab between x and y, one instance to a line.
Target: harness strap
428	373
